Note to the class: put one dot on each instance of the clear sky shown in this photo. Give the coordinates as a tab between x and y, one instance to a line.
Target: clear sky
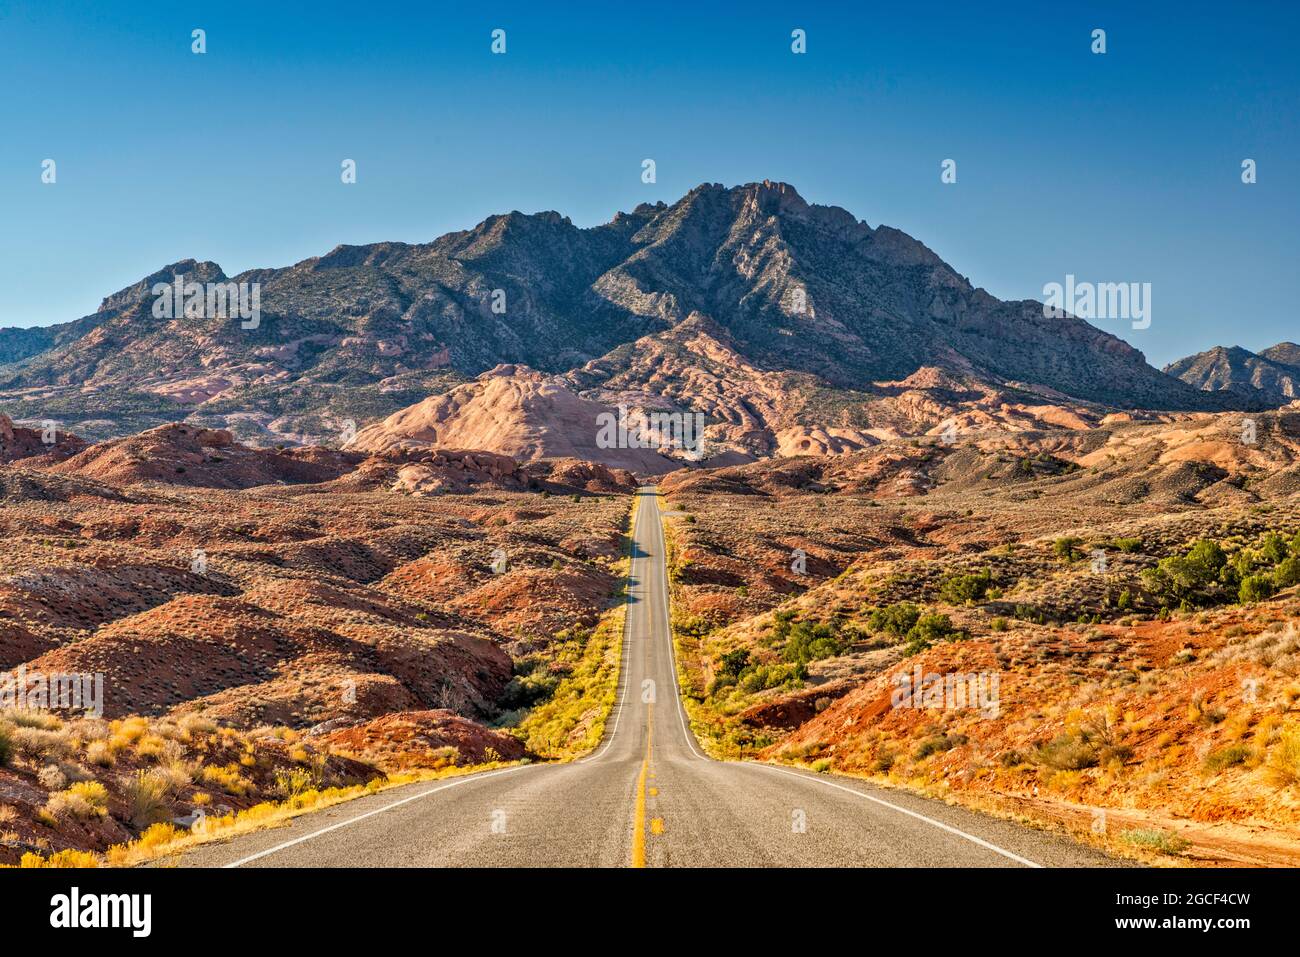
1117	167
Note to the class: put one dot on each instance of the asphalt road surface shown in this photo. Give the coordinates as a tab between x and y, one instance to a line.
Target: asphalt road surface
646	797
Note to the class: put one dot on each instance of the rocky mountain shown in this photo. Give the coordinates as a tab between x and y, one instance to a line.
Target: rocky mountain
771	313
1270	377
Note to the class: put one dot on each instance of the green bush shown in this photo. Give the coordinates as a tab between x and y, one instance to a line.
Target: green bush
1128	545
733	663
896	620
1287	573
1199	577
1273	548
808	642
929	628
1255	588
960	589
757	678
1066	547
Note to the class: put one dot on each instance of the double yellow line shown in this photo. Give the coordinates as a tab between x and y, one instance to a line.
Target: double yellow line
639	815
638	823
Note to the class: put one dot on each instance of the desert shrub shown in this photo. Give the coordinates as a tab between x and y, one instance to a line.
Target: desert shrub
193	724
1091	744
1162	841
52	778
1201	712
146	799
998	624
937	744
31	718
289	784
1067	547
1067	752
7	746
1227	757
1125	600
83	801
733	663
1272	548
808	642
929	628
98	752
226	778
1128	545
896	620
158	836
175	776
757	677
1198	577
959	589
1029	613
525	690
1255	588
36	742
65	858
1287	572
1283	763
693	627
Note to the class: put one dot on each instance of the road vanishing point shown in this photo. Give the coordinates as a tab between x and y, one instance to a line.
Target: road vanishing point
647	796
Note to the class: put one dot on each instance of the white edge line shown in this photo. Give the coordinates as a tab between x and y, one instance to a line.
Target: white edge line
672	645
469	777
387	807
690	743
623	655
901	810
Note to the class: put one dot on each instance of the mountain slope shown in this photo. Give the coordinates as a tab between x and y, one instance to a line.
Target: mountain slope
788	287
511	410
1270	377
877	304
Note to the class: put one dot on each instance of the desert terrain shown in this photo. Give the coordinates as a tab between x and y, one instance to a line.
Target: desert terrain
930	539
1132	587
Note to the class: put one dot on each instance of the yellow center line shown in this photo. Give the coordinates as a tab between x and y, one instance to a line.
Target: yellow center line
638	823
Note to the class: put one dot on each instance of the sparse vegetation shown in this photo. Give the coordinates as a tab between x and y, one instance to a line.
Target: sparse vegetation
963	589
1155	840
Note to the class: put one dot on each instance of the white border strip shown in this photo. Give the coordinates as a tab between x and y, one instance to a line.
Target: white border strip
901	810
387	807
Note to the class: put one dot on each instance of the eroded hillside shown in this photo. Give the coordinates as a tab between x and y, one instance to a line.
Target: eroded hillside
1098	631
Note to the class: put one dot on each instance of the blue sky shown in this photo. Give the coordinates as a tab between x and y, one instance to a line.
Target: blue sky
1115	167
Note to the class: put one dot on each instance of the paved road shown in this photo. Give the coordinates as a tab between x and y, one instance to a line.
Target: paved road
646	797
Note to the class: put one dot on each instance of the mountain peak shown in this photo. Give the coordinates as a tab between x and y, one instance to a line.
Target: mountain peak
781	286
1269	378
191	269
